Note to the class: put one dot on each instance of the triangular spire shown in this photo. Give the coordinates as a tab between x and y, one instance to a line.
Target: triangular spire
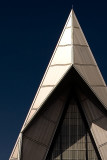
72	50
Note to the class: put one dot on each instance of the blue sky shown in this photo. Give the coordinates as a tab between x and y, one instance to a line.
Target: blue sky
29	31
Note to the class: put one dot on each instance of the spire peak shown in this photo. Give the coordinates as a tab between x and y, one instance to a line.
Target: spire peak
72	10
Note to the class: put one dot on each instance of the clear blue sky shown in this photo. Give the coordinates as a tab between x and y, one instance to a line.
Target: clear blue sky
29	31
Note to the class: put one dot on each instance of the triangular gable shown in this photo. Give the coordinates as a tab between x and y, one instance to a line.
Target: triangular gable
72	50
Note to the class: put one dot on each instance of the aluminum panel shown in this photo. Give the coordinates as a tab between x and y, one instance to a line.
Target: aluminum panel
52	113
66	37
62	55
32	150
41	130
42	95
91	74
99	130
78	37
55	73
83	55
77	26
91	111
101	92
103	151
75	21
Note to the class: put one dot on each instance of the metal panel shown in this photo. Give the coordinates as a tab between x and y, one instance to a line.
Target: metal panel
101	92
52	113
91	111
43	93
62	55
54	74
75	21
79	37
66	38
41	130
99	128
82	55
32	150
91	74
103	150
